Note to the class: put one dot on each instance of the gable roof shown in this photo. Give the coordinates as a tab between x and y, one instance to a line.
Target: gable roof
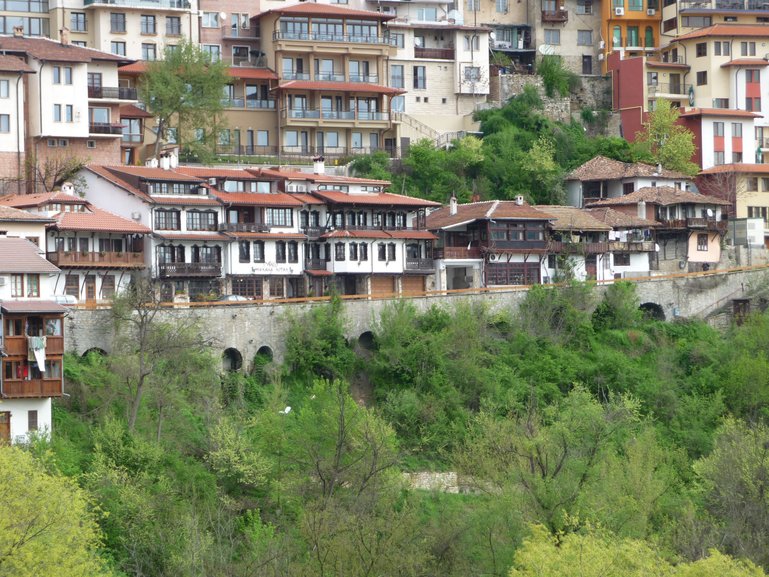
661	195
618	219
603	168
9	214
44	49
18	255
14	64
572	218
484	210
375	198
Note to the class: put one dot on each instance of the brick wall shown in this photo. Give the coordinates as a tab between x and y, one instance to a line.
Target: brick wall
8	166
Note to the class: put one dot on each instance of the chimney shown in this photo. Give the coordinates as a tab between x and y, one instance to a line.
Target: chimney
641	209
453	204
475	197
64	36
659	169
519	200
68	188
319	165
18	31
165	162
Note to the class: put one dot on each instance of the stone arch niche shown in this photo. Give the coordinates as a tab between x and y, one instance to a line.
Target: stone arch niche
367	341
652	311
232	360
96	351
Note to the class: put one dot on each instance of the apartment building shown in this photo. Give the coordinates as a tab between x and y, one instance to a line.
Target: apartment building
31	16
12	124
572	30
72	104
630	28
717	75
687	16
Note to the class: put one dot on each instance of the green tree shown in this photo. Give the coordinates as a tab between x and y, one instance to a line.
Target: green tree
665	141
47	526
184	92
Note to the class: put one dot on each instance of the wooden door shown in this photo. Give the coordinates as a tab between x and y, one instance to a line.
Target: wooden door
5	427
413	285
90	289
382	285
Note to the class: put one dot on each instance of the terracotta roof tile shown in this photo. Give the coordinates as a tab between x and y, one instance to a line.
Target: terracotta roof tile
14	64
168	200
312	177
224	173
9	214
39	199
251	73
98	220
18	255
138	67
486	210
258	199
50	50
372	199
754	62
729	112
339	87
149	173
729	30
31	306
740	168
617	219
133	111
662	195
306	198
602	168
571	218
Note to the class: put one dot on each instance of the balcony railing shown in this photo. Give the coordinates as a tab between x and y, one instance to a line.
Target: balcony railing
423	264
458	252
667	88
558	247
340	38
177	269
295	75
105	128
669	58
631	246
435	53
241	33
555	15
166	4
133	138
367	78
317	114
725	5
233	102
706	223
260	104
315	264
112	92
313	232
17	346
329	77
244	227
33	388
74	258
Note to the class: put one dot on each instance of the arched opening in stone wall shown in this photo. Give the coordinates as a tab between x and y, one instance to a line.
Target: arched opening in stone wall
367	341
232	360
265	352
262	361
652	311
95	351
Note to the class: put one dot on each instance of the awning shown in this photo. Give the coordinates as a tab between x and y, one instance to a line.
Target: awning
20	307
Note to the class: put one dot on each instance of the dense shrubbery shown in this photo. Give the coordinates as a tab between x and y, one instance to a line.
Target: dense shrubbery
574	419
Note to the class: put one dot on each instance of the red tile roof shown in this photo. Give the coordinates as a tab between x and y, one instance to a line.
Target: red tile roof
98	220
660	64
139	67
412	234
602	168
315	9
571	218
486	210
252	73
50	50
30	306
132	111
754	62
18	255
9	214
148	173
282	174
617	219
728	112
372	199
258	199
728	30
169	200
662	195
14	64
233	173
741	168
339	87
40	199
306	198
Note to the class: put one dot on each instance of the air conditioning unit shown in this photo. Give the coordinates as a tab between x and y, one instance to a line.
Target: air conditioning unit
619	11
212	181
600	57
290	187
651	12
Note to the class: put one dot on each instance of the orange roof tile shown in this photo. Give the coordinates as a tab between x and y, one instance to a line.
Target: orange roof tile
98	220
14	64
339	87
39	199
133	111
149	173
252	73
374	199
730	112
728	30
139	67
45	49
9	214
743	168
306	198
755	62
485	210
257	199
662	195
215	172
109	176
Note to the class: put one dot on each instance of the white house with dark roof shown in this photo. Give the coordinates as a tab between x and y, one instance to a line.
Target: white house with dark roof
31	340
97	250
600	178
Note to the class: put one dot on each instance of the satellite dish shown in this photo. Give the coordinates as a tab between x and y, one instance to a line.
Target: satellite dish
710	213
418	41
222	16
492	35
656	247
546	49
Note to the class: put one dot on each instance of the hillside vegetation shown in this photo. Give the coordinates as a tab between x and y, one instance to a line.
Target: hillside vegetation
595	443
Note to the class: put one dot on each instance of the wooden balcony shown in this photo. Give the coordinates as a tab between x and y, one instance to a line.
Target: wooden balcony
17	346
434	53
33	388
244	227
457	252
315	264
558	247
420	264
631	246
97	259
707	223
313	232
190	269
